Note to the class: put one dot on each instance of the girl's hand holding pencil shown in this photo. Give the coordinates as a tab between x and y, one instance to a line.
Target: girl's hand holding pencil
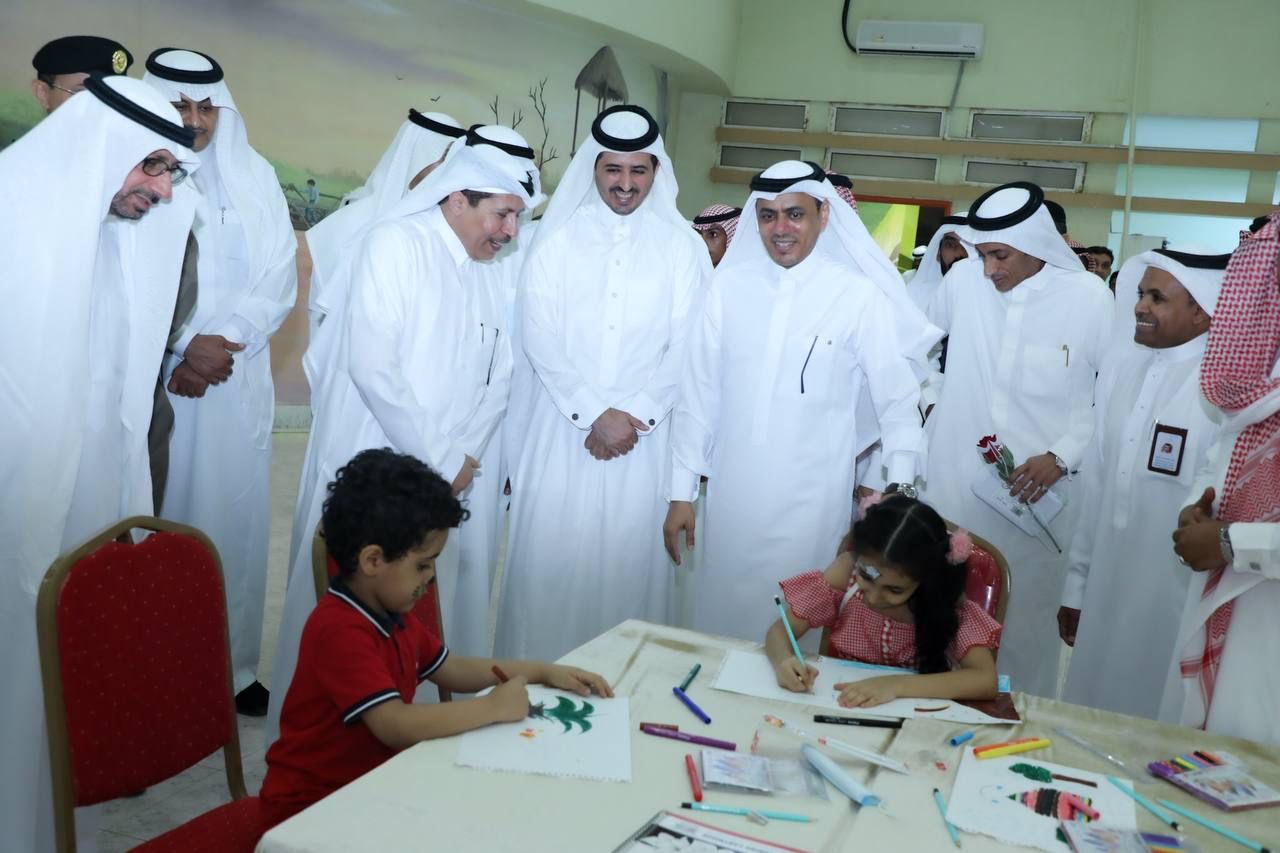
795	675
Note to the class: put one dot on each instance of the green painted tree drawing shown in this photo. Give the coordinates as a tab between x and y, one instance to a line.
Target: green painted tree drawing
566	713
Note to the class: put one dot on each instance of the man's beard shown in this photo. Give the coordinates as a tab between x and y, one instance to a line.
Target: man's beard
120	206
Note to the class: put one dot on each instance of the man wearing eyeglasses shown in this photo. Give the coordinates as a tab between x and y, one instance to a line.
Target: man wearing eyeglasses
63	64
219	368
87	286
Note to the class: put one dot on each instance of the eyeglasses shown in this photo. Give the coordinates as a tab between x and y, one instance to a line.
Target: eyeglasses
65	89
155	167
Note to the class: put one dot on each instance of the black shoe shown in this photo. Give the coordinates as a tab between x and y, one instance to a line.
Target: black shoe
252	701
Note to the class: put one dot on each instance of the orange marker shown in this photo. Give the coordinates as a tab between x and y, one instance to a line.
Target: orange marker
502	676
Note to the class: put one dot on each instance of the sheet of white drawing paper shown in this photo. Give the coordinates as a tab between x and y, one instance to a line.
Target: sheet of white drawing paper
980	800
586	737
751	673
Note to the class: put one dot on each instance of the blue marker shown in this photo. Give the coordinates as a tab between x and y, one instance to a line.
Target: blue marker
697	712
963	737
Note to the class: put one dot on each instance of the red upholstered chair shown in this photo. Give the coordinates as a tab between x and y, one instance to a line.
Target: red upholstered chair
987	585
324	568
137	678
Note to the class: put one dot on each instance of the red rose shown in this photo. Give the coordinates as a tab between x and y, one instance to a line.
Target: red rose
989	456
989	446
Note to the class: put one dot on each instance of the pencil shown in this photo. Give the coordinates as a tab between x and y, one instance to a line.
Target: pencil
497	671
1146	803
786	623
942	810
1208	824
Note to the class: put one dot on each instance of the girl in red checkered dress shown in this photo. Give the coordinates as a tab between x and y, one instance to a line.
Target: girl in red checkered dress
897	599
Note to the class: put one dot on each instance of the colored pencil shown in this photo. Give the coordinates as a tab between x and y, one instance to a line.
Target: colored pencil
942	810
693	777
708	807
688	679
1164	816
1221	830
786	623
497	671
688	738
691	705
870	722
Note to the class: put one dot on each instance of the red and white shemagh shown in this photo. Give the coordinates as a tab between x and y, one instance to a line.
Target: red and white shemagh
730	226
1236	372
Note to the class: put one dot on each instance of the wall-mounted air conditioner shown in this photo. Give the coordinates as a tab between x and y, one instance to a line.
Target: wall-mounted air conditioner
919	38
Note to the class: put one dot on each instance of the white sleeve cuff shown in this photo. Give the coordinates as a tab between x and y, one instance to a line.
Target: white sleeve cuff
684	484
1257	548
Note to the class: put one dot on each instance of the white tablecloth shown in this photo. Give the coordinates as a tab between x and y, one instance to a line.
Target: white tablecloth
420	800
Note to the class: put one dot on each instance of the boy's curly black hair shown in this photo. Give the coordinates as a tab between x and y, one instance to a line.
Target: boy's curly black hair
387	499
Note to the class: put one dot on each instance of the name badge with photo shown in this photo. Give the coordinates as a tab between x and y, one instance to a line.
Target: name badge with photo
1167	447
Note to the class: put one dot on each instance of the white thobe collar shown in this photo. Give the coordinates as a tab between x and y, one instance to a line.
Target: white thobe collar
800	271
435	221
1193	348
620	228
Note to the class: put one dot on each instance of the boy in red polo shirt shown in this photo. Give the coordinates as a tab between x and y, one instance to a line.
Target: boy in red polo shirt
363	653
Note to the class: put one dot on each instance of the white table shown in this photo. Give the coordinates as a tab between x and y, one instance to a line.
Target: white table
420	800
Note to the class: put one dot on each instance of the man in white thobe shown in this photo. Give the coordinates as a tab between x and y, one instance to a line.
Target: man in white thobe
1225	663
943	250
424	365
421	142
89	283
1124	591
220	451
1028	327
790	337
606	300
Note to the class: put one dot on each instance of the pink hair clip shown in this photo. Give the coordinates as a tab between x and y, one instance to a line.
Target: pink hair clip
961	547
867	502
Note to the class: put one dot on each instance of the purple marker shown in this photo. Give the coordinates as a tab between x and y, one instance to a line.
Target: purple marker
688	738
697	712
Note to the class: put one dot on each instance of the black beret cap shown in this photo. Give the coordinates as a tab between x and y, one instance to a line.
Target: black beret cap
75	54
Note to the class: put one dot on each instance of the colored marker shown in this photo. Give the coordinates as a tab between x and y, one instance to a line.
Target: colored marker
1208	757
693	777
1013	747
1208	824
857	721
660	726
708	807
963	737
856	751
1183	763
942	810
1146	804
502	676
689	703
688	738
688	679
786	623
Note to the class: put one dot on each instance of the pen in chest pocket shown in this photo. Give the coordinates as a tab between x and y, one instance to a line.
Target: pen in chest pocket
805	366
493	351
1066	351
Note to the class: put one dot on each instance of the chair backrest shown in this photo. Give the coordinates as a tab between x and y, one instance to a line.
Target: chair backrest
136	665
988	582
324	568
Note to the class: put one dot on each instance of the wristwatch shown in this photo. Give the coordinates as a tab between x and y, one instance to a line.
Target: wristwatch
907	489
1224	540
1062	466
